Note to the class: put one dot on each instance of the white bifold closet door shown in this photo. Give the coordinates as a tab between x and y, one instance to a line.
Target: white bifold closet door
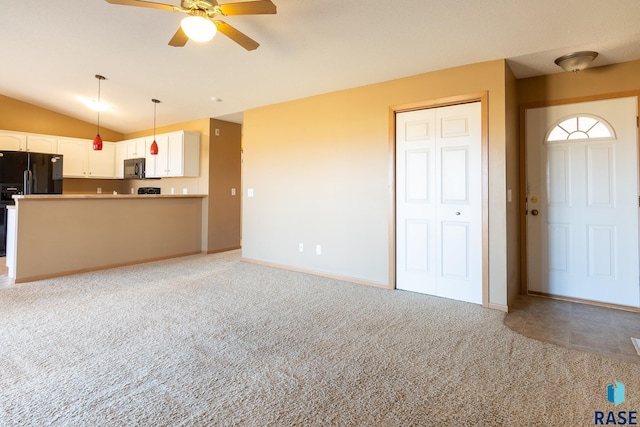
439	201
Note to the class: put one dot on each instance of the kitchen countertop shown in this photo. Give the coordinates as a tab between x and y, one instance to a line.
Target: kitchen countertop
103	196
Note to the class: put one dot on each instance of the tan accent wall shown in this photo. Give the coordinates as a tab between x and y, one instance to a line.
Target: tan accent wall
224	175
321	174
598	81
23	117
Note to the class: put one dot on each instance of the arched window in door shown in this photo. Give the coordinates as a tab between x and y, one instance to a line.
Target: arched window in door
580	126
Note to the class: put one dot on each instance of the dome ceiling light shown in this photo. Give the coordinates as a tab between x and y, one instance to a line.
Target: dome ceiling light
576	61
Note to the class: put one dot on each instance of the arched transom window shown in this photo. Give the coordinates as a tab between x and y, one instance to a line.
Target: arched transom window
580	126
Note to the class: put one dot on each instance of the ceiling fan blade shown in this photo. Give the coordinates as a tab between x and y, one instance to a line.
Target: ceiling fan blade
149	4
237	36
259	7
179	39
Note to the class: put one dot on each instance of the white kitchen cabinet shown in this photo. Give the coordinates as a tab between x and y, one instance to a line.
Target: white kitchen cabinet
12	141
101	164
178	155
16	141
121	155
74	157
136	148
81	161
42	144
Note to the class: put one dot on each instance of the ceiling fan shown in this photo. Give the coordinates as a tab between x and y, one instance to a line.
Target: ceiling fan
201	24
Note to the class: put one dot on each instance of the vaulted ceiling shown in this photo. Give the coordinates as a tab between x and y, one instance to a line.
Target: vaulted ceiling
51	50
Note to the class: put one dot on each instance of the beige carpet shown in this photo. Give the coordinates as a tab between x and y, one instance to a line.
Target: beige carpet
210	340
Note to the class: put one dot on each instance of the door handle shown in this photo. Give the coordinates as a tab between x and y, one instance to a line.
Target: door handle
534	212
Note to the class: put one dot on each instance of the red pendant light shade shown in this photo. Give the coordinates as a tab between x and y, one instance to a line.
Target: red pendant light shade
97	141
154	145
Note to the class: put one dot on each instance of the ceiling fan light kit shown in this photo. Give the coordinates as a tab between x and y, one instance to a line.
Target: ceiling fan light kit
198	28
576	61
201	24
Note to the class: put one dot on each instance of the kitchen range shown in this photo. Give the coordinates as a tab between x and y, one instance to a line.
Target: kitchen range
24	172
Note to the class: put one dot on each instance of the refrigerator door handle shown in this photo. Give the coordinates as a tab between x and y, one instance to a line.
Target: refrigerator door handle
26	182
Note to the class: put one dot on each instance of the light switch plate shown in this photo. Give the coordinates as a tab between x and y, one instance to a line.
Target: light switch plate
250	192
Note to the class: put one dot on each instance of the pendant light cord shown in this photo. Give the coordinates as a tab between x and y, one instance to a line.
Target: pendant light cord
99	106
155	106
100	78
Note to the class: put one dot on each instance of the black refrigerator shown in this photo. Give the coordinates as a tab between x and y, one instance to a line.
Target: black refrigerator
26	173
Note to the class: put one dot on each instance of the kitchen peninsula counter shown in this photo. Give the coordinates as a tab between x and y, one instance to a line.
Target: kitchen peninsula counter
56	235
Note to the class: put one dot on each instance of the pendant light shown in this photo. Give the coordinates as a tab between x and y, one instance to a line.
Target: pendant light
97	141
154	144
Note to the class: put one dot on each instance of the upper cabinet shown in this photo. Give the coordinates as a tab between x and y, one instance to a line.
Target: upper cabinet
121	154
12	141
178	155
101	164
81	161
136	148
28	142
42	144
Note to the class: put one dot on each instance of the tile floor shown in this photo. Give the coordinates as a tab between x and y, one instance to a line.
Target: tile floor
600	330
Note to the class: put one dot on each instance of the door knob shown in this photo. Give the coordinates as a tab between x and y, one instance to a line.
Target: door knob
534	212
457	213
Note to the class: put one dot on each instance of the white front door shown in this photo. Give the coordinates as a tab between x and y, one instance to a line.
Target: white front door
582	201
439	202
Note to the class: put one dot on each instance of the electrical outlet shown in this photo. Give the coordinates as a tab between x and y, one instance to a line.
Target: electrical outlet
318	250
301	247
233	191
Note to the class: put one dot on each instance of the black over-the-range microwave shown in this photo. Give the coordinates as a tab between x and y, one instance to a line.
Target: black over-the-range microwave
134	168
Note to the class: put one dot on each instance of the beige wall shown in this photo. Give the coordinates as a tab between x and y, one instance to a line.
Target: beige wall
320	170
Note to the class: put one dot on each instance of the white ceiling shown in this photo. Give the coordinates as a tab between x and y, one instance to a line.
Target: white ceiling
51	50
